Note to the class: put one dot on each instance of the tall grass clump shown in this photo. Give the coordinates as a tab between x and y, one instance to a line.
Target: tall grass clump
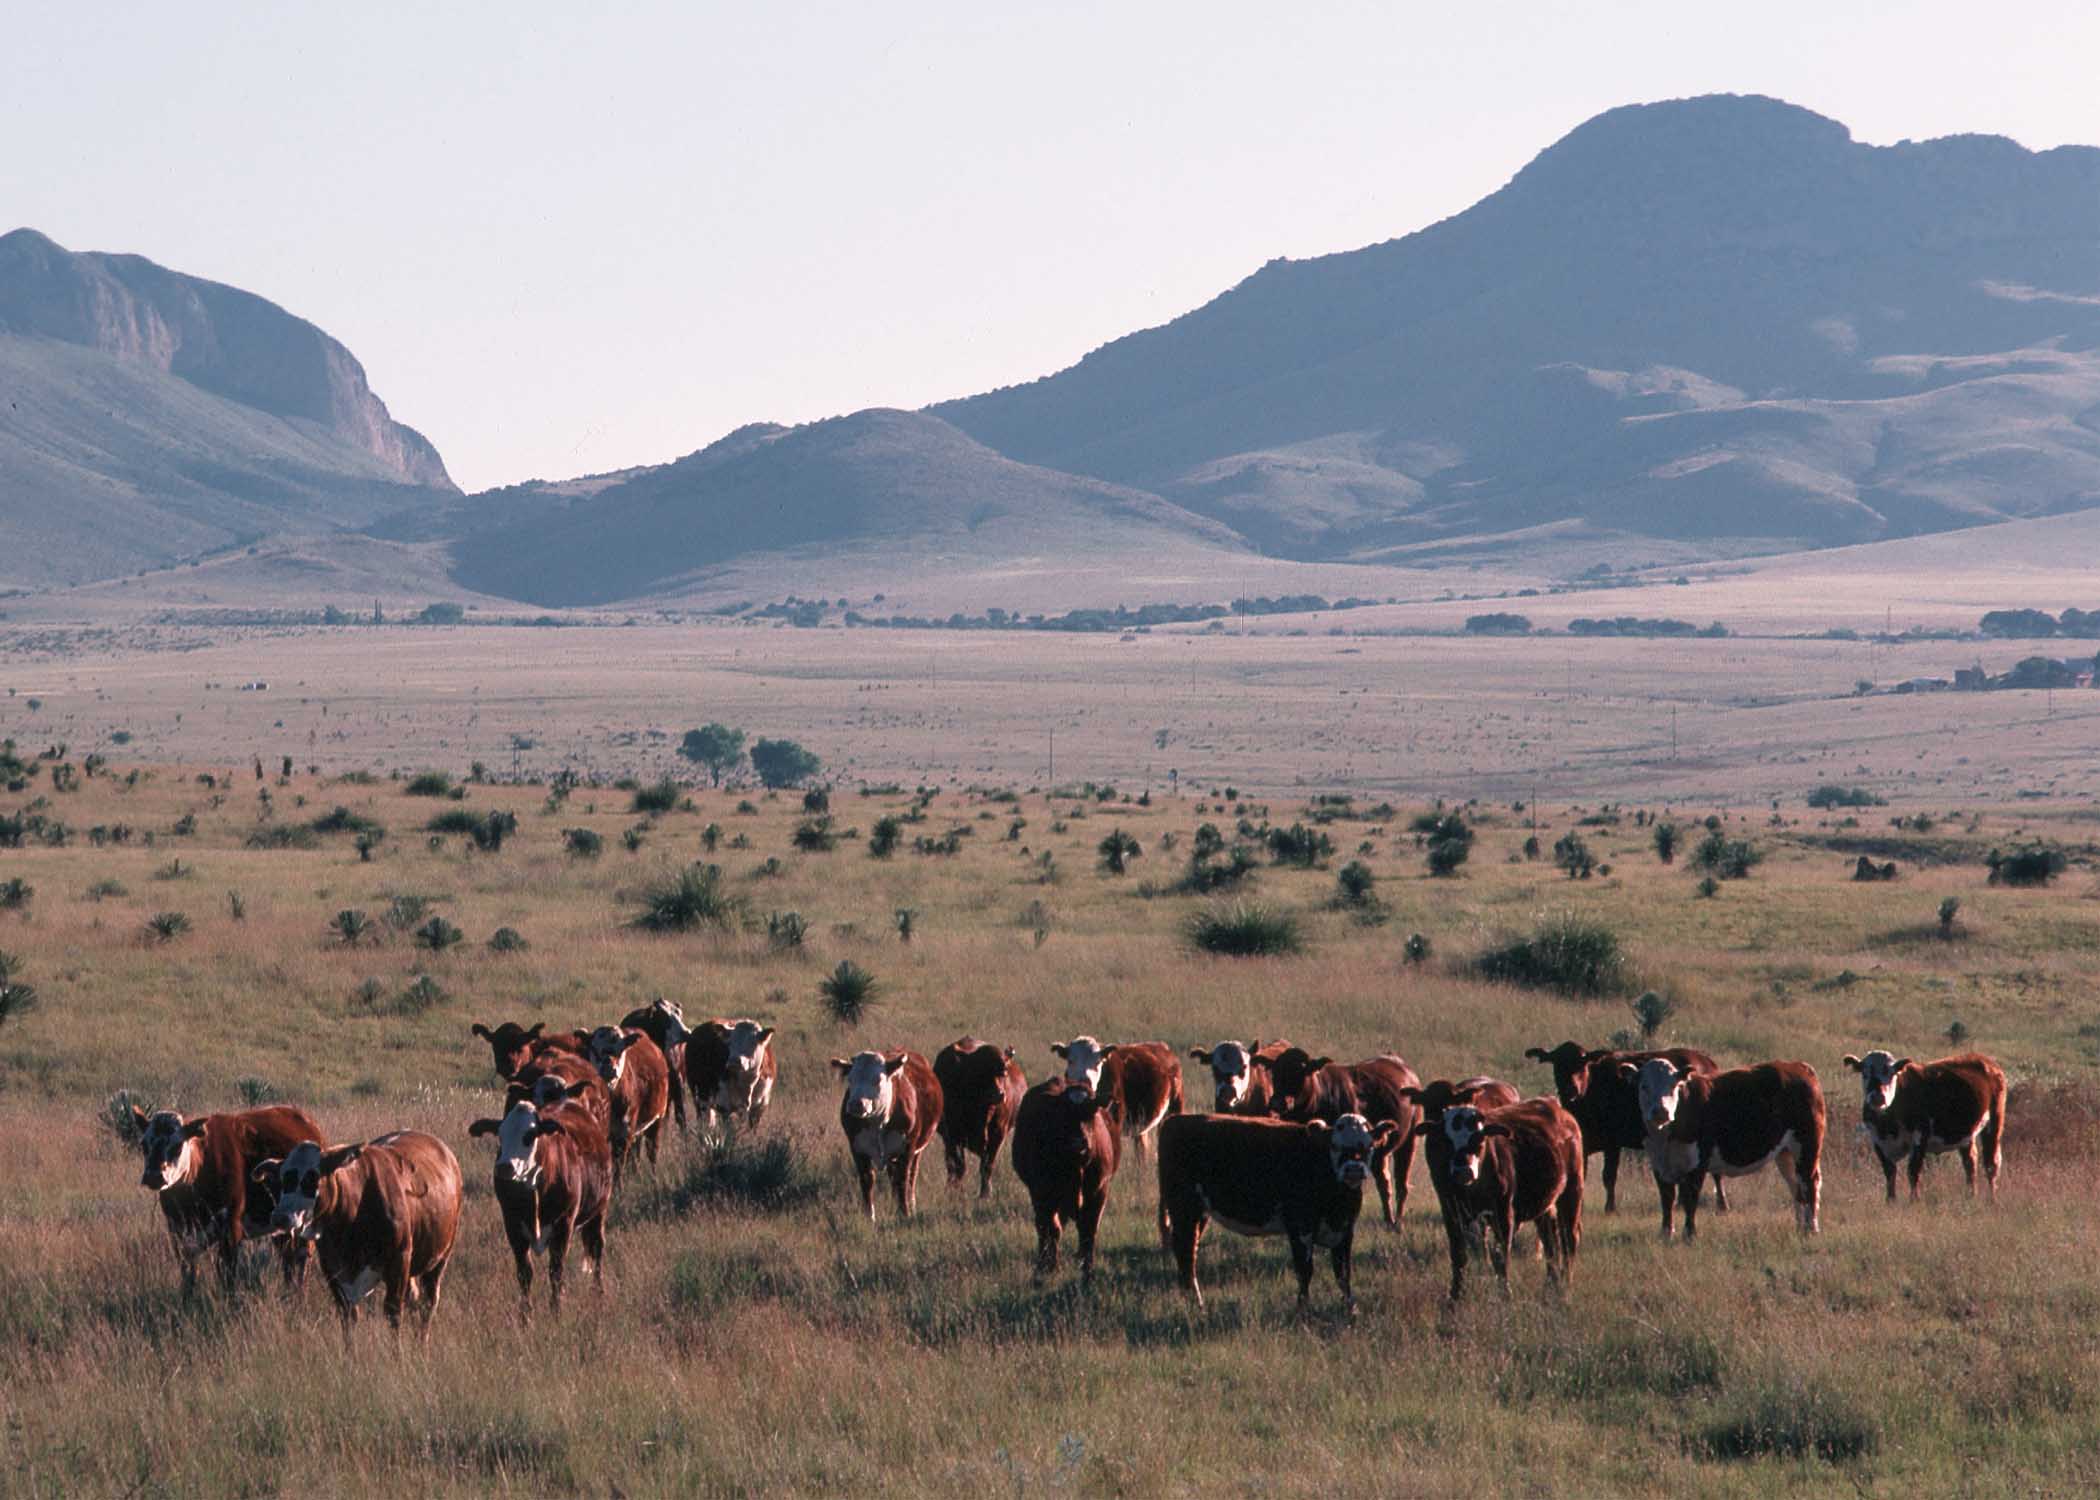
433	784
689	899
660	798
1244	929
1565	952
1792	1417
1724	858
849	992
166	926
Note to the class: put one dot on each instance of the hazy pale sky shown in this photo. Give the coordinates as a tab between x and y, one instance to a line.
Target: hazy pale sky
567	238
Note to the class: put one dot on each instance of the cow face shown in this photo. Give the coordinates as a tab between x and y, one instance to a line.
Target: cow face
1084	1058
1350	1144
302	1175
1658	1086
1466	1135
170	1147
1231	1072
608	1051
517	1143
1289	1076
871	1086
1877	1077
510	1044
1571	1066
741	1071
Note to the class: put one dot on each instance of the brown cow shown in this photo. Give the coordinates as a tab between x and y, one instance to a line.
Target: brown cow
639	1082
891	1109
1304	1181
1729	1125
1066	1149
382	1213
1241	1081
1918	1109
731	1069
1494	1169
657	1020
1144	1078
1482	1092
554	1073
200	1170
553	1177
1606	1107
981	1089
513	1045
1319	1088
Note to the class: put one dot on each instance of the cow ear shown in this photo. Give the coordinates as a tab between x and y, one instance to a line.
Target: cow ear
1318	1129
339	1157
1536	1054
1629	1073
535	1029
1009	1054
484	1127
1422	1128
765	1034
1320	1062
1061	1050
840	1065
480	1030
626	1040
1491	1129
1201	1054
1901	1064
546	1125
894	1065
264	1170
577	1089
140	1117
1110	1048
1411	1094
191	1129
1387	1132
1852	1062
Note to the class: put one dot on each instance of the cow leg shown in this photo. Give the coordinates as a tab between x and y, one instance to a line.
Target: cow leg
678	1101
1459	1233
1993	1157
1688	1195
593	1232
1808	1188
1569	1221
649	1137
900	1182
1611	1177
1968	1166
1720	1197
558	1259
398	1288
1302	1263
1343	1257
1917	1167
1888	1169
1502	1229
1047	1233
754	1114
952	1157
1667	1191
229	1259
1089	1224
984	1169
520	1238
430	1287
1403	1168
1188	1234
864	1166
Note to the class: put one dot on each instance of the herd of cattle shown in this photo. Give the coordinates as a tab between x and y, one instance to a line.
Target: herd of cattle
1290	1142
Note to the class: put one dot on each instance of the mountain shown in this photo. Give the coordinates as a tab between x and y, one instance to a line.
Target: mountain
1719	321
148	417
899	485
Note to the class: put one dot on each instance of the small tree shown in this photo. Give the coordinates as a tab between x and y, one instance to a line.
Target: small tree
1572	853
783	763
1117	850
1666	842
884	837
716	747
1950	908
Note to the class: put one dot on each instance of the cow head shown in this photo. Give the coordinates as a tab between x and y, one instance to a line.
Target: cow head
1231	1072
1289	1076
1877	1077
1466	1135
170	1146
1571	1063
745	1065
608	1051
1438	1095
302	1177
517	1142
655	1020
1350	1144
1084	1058
545	1092
871	1086
511	1044
1658	1086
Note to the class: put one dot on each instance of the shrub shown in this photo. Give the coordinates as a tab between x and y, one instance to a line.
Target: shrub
16	999
1206	875
455	820
1244	930
432	784
1573	855
849	992
437	935
1866	869
1831	795
884	837
816	800
786	929
1416	949
767	1175
1725	858
1666	842
1355	885
1117	850
1450	842
692	898
15	893
342	820
166	926
405	911
421	995
907	920
366	843
1792	1418
1708	887
783	763
631	838
254	1091
1651	1011
1572	954
1949	909
660	798
583	843
1305	848
710	836
351	925
507	940
2032	864
117	1119
814	836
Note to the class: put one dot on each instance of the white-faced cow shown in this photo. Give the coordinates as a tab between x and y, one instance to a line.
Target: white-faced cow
981	1089
381	1214
731	1068
1729	1125
890	1110
553	1179
1319	1088
1916	1110
1066	1150
1241	1081
664	1024
638	1083
1143	1078
1607	1107
1304	1181
1496	1168
200	1171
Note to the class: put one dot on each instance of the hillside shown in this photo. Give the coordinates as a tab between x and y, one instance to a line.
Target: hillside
1719	321
152	417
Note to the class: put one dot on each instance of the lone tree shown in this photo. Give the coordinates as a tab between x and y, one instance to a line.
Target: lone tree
715	746
782	763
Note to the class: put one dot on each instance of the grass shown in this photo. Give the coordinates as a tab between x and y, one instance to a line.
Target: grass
1573	954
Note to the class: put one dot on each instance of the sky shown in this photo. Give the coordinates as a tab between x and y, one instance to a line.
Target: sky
564	239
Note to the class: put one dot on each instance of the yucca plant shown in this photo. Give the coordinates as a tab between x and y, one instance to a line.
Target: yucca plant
786	929
351	925
907	919
437	935
849	992
15	893
1244	929
1117	850
507	940
166	926
692	898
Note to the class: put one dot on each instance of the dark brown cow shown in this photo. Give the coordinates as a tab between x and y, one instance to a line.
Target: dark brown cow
639	1082
658	1020
554	1178
981	1089
1494	1169
731	1069
1482	1092
1066	1149
1304	1181
1605	1105
382	1213
1918	1109
1319	1088
1241	1080
891	1109
513	1045
551	1073
201	1171
1729	1125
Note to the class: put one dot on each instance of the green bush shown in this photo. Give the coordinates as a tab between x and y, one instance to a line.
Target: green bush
583	843
1725	858
507	940
1831	795
1297	845
1666	842
1789	1417
1565	952
351	925
1450	842
166	926
1355	885
1117	850
343	820
849	992
1244	929
437	935
692	898
660	798
1572	853
815	836
2029	865
432	784
883	839
785	930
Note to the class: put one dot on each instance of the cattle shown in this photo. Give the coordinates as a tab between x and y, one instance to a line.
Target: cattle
514	1045
638	1081
1497	1167
1241	1083
384	1212
981	1089
555	1072
1917	1109
1067	1146
890	1111
1729	1125
200	1170
1605	1106
657	1020
1319	1088
1303	1180
1144	1078
1440	1094
553	1179
731	1069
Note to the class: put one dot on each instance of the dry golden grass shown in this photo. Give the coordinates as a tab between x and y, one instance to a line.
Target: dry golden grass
785	1347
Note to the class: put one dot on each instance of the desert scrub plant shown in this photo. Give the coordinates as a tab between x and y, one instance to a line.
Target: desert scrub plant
1244	929
2028	865
884	837
906	919
118	1120
1117	850
1355	884
733	1171
406	910
785	930
437	935
423	993
1950	908
816	800
1707	888
710	836
507	940
1572	954
16	998
341	819
1572	853
661	798
1724	858
16	894
1651	1011
1416	949
582	843
631	839
1792	1417
255	1091
814	836
848	993
103	890
1207	874
1450	841
351	925
1665	837
690	899
433	784
1298	846
166	926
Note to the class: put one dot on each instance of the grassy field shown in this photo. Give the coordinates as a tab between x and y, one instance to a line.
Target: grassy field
758	1338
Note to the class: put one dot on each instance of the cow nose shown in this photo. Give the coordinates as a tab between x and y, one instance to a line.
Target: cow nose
150	1177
